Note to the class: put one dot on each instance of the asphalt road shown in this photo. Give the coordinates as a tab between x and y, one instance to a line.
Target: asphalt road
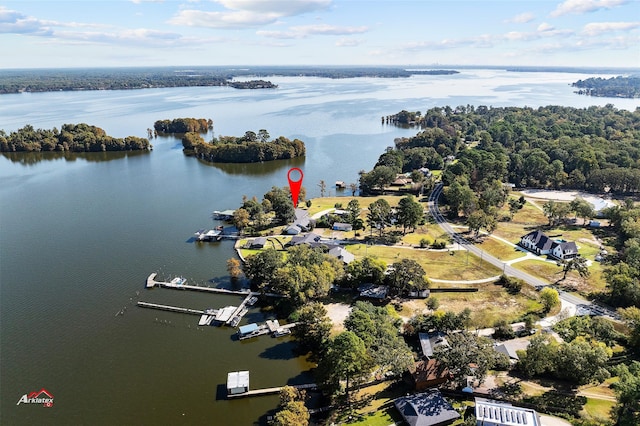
508	270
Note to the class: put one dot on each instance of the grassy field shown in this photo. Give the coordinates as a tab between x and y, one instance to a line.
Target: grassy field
454	265
500	249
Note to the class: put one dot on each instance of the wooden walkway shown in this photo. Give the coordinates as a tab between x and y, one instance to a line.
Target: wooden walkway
270	391
151	282
170	308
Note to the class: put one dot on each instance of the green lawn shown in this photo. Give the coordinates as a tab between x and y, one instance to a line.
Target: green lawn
454	265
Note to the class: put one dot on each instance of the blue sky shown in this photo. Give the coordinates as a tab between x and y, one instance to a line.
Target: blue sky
97	33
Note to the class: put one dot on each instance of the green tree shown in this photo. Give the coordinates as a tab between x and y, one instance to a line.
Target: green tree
631	317
539	358
313	327
261	267
465	350
281	204
353	211
241	219
578	264
407	276
410	212
346	358
627	389
379	215
292	414
365	270
549	298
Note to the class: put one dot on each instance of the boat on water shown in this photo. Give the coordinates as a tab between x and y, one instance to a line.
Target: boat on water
282	332
252	301
179	281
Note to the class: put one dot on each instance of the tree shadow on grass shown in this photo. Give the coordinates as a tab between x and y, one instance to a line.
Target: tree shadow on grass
555	401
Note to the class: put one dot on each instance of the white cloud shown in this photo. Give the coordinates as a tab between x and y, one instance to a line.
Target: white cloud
240	19
247	13
348	42
14	22
522	18
278	7
597	28
304	31
544	27
585	6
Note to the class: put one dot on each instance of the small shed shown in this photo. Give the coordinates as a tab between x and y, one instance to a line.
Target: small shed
237	382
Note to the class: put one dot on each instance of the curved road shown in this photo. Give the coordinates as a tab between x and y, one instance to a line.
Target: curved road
508	270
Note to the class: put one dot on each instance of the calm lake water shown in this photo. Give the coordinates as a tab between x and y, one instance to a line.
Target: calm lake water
79	235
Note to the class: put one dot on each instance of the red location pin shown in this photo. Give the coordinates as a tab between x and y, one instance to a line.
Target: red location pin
294	185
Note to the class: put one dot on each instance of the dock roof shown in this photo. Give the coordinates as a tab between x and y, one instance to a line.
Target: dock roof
249	328
238	379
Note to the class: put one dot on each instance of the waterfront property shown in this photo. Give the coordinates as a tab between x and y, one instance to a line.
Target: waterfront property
540	244
210	235
223	215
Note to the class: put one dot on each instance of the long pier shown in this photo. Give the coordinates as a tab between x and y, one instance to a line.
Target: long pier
151	282
270	391
170	308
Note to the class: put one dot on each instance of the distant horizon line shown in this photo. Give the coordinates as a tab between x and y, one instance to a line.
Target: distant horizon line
406	67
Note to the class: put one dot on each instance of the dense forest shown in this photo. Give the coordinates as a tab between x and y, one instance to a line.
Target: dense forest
250	148
71	137
17	81
557	147
183	125
615	87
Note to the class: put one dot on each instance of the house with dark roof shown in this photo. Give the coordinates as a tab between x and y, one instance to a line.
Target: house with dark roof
540	244
373	292
309	238
426	409
303	220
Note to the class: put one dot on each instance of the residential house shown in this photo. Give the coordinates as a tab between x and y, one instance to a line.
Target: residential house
430	341
292	230
309	238
342	254
496	413
258	243
510	348
429	373
540	244
426	409
341	226
303	220
373	292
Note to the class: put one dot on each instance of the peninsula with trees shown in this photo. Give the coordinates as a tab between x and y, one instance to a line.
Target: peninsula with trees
614	87
442	301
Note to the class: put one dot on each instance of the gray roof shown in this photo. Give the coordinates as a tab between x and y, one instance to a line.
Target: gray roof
342	254
373	291
510	347
430	341
426	409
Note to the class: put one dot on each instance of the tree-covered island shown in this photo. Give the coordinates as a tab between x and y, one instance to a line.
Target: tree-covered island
614	87
250	148
71	137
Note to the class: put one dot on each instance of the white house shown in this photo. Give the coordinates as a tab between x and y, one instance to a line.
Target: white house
538	243
341	226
